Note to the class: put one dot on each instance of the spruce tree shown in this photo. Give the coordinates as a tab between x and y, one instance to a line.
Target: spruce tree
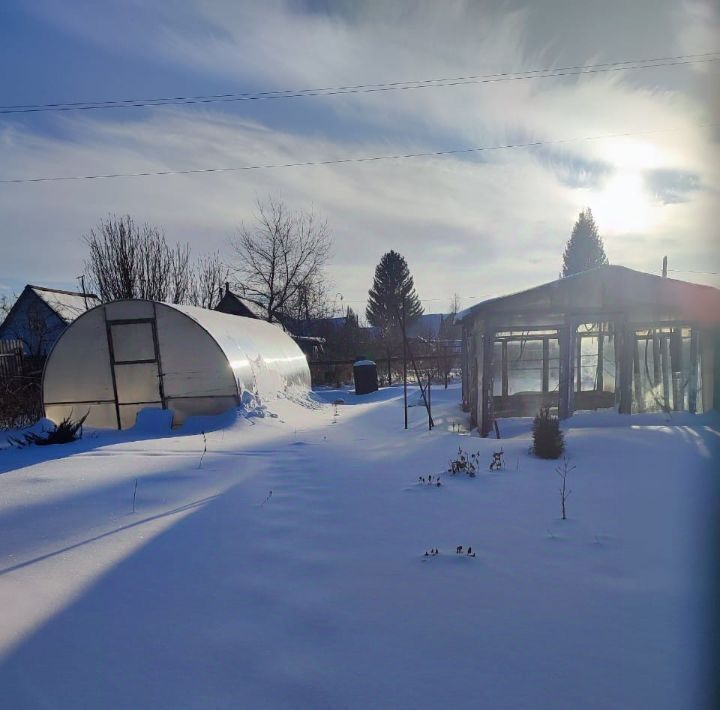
392	286
584	249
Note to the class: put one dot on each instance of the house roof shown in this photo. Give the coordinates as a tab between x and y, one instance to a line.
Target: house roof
67	305
608	287
426	324
248	305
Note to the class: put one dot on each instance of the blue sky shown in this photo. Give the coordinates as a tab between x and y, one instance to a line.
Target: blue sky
478	225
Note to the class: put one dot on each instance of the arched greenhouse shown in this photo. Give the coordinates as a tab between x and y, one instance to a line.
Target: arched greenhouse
125	356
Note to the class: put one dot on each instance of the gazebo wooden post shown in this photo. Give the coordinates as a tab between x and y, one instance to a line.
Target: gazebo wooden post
486	387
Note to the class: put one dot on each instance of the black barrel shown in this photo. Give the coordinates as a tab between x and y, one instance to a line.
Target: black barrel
365	375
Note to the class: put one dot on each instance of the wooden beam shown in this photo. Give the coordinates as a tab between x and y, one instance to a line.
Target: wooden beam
546	365
665	350
567	351
637	381
578	363
626	368
708	343
678	393
486	389
600	373
657	369
505	386
693	379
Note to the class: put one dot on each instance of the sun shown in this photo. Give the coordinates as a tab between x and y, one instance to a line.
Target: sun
622	203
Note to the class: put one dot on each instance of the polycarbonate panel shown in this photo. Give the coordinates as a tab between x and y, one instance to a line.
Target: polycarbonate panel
78	369
129	412
132	341
137	383
128	310
263	357
199	406
193	364
102	416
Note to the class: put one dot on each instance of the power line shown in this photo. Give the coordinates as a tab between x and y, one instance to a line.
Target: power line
690	271
628	65
336	161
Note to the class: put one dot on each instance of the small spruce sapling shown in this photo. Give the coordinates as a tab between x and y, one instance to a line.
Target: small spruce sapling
548	439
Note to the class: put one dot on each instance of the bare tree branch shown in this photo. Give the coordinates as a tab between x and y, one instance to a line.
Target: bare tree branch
280	261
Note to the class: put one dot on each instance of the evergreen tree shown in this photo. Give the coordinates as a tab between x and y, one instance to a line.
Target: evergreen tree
351	335
392	286
584	249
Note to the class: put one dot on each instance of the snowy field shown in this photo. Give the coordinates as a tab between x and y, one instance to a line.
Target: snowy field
216	593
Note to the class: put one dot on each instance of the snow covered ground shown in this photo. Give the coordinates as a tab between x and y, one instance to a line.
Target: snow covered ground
216	593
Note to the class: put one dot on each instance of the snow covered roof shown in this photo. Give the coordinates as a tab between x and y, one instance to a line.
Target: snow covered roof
230	299
68	305
426	324
608	287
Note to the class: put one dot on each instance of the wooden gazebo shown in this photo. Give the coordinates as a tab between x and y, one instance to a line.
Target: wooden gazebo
610	337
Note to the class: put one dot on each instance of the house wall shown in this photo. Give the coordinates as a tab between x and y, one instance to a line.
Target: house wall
34	323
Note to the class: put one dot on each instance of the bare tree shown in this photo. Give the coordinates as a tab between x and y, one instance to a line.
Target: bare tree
454	307
209	277
281	259
563	471
5	306
131	261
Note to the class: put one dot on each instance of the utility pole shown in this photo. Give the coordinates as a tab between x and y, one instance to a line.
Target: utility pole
402	323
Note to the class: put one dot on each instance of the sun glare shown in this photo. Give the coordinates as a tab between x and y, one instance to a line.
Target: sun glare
622	203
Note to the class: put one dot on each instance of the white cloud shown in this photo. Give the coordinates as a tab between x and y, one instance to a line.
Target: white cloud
478	225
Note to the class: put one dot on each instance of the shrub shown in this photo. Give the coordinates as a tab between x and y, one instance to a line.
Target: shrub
465	463
548	439
65	432
20	401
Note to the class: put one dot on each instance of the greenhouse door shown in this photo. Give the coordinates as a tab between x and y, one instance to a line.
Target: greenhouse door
135	359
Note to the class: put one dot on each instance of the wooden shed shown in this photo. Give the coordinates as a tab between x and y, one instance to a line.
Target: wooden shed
610	337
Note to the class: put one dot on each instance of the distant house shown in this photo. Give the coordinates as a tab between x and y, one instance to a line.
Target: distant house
609	338
238	306
41	314
435	326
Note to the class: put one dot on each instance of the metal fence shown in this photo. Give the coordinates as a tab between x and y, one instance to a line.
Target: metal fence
11	359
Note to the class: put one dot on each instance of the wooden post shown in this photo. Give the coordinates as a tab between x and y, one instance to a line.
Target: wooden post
429	403
678	393
707	374
666	370
600	373
578	363
657	369
637	381
504	376
693	380
566	339
626	369
402	323
546	365
446	361
486	388
476	380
